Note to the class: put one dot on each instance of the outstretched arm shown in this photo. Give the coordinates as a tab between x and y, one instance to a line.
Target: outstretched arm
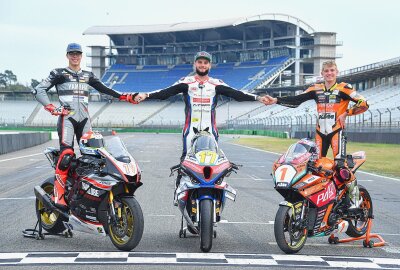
236	94
99	86
163	93
294	101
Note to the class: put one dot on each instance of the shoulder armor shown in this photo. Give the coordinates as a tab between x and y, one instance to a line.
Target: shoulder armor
58	71
315	86
347	85
189	79
216	81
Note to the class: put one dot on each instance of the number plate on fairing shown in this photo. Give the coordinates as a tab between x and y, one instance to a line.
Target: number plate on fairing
284	175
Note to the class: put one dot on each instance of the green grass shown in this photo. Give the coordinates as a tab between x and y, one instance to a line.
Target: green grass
381	158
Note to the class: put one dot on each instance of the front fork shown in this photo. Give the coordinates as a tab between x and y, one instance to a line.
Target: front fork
115	213
214	207
298	212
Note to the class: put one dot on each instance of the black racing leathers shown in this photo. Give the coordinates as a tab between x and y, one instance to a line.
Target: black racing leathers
73	92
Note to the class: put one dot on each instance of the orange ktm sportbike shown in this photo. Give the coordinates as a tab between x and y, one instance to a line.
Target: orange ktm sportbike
316	198
100	196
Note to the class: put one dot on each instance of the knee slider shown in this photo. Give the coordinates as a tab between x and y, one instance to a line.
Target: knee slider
65	162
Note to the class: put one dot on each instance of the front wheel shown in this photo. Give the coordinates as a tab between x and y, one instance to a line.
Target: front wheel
127	231
288	236
206	225
358	227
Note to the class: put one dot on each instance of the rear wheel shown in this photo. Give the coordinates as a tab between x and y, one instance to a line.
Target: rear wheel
127	232
206	225
358	227
288	236
52	222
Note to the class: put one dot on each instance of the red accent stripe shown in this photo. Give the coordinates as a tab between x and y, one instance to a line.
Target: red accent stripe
87	221
96	184
186	123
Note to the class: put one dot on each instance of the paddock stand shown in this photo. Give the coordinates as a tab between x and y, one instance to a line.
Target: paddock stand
367	242
38	234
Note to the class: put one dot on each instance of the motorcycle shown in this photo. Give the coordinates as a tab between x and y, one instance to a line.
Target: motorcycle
100	195
316	203
202	191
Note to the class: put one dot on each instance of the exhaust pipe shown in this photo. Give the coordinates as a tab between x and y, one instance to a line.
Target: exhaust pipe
48	203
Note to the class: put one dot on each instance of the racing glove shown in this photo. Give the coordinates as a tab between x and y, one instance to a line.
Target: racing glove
56	111
129	98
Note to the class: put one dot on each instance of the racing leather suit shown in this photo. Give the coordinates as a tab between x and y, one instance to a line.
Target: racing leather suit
331	103
200	99
73	93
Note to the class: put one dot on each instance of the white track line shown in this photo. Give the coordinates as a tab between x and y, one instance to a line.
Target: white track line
24	198
14	158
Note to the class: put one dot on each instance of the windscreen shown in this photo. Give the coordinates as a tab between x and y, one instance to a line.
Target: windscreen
117	149
203	143
295	152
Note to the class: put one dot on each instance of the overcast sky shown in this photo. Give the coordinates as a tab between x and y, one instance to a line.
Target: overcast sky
34	34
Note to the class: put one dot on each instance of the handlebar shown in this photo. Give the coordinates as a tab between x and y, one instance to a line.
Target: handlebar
320	169
174	169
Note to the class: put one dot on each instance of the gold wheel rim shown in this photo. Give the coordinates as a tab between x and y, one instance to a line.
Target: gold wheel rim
126	221
47	218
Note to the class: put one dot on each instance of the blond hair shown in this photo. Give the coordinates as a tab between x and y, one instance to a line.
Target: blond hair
328	63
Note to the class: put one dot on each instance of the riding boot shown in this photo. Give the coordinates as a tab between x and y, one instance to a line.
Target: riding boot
59	190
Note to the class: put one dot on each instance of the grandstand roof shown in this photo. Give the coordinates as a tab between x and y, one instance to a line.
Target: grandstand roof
189	26
371	71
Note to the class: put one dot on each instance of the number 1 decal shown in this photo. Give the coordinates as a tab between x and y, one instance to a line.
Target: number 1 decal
284	170
285	173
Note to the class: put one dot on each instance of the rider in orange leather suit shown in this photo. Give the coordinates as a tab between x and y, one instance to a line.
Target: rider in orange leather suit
332	100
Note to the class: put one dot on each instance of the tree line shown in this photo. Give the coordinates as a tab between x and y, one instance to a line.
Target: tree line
9	82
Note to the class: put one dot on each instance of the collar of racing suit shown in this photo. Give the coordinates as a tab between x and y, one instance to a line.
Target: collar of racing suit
73	71
330	88
197	78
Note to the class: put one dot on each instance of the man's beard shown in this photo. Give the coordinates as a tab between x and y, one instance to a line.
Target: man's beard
202	73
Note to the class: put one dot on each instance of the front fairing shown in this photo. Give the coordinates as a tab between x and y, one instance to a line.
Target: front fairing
186	185
119	162
285	175
206	167
290	168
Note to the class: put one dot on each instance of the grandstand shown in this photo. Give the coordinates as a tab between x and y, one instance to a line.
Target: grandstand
269	53
244	75
248	52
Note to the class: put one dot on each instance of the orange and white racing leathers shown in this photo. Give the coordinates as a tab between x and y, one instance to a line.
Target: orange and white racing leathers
331	103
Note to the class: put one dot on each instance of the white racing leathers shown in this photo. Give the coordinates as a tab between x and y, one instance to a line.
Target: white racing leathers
200	99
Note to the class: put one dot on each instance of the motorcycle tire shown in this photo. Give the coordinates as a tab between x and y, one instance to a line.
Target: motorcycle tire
354	229
206	225
282	225
51	222
127	234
